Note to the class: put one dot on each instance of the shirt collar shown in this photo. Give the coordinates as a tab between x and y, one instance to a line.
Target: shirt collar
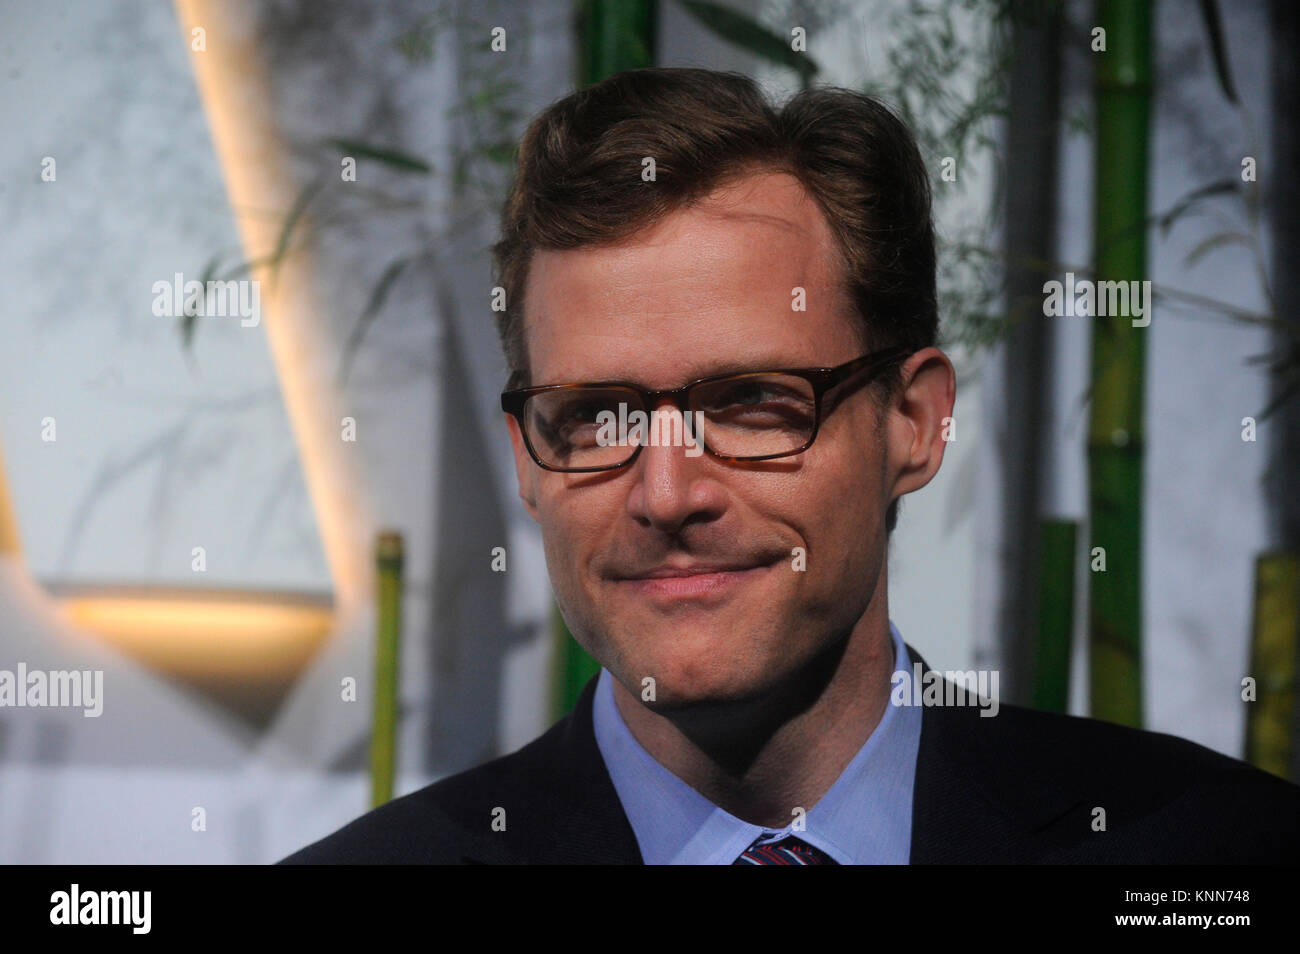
865	817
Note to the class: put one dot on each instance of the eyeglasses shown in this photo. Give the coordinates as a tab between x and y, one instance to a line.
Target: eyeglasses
754	415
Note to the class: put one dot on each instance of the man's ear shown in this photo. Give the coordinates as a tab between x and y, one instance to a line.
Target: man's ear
525	467
920	421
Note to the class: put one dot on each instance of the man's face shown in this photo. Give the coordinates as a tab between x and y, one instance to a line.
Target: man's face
707	292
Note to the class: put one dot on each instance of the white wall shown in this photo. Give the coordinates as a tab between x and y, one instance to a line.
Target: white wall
152	457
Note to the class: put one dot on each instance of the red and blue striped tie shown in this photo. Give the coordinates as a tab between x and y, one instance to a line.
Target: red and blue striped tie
787	851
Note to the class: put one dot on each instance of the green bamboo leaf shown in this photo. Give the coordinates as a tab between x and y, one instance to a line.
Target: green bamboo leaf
189	320
247	267
378	295
749	34
1217	240
501	153
460	174
290	223
417	43
1192	199
1288	391
392	158
1218	49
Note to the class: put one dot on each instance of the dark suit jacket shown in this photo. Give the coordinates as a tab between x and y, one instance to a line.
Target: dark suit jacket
1019	787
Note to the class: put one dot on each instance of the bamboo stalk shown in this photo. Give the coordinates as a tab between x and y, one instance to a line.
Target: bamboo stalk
1276	630
1055	615
388	632
1115	435
615	35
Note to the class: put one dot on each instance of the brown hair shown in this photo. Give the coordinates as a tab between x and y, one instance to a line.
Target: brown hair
856	159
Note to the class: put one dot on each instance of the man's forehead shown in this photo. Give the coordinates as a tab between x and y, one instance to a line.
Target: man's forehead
739	209
775	198
739	253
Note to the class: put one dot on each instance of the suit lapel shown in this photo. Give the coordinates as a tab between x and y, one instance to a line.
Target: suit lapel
589	816
566	810
974	800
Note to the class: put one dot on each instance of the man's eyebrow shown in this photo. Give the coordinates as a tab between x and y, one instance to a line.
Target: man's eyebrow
715	369
741	366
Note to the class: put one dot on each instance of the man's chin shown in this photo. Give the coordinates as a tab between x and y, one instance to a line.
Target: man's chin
696	675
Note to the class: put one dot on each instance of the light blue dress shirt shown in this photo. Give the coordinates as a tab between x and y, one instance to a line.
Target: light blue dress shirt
865	817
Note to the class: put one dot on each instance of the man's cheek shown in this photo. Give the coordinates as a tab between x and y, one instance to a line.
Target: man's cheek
568	543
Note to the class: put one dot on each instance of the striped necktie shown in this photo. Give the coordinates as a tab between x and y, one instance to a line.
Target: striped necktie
787	851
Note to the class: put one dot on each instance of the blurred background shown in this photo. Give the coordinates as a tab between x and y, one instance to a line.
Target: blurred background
279	514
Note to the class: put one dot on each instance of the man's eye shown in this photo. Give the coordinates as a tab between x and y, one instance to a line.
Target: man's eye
747	394
574	423
581	412
750	394
759	404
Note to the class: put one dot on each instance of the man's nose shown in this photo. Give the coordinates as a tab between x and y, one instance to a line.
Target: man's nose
671	488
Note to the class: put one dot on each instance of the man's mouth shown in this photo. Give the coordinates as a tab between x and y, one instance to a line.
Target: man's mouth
670	582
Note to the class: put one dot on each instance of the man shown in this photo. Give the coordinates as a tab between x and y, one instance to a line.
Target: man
760	287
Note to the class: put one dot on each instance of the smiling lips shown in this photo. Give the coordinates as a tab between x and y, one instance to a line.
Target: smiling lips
691	582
